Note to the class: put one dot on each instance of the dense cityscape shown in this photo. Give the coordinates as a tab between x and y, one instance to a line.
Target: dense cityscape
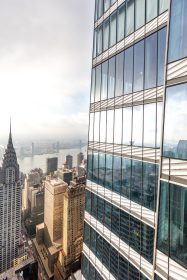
113	206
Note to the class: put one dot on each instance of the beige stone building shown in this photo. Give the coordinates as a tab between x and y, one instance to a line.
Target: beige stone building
73	221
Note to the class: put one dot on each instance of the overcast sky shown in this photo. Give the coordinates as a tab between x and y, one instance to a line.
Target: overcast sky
45	67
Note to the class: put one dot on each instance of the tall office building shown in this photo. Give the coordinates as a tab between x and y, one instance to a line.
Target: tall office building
69	161
136	195
10	208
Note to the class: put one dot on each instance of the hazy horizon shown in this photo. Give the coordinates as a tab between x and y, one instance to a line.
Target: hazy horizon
45	69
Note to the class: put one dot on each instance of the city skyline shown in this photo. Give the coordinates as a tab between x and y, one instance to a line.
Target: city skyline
44	70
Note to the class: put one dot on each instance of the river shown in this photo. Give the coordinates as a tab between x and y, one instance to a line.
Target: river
39	161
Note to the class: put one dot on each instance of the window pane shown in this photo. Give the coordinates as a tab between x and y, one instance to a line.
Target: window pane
128	71
127	125
162	242
129	17
113	1
110	124
163	5
117	175
101	170
121	23
139	13
111	77
138	66
119	74
96	127
112	29
150	125
151	61
159	123
161	56
91	127
106	5
99	39
105	35
151	9
126	177
178	27
100	8
136	182
93	85
98	83
104	80
108	175
137	125
118	126
95	168
178	224
175	132
95	43
150	182
89	165
103	127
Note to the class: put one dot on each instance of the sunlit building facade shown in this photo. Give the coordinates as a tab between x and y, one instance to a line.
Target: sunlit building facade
136	194
10	208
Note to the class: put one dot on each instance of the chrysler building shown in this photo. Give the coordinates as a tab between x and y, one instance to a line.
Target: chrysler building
10	207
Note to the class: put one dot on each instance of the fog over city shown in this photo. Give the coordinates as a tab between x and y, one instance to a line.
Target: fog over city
45	69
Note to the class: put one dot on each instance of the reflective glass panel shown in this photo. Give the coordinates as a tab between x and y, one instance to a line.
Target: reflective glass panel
108	175
129	17
110	126
95	43
136	181
101	169
111	77
127	125
117	174
89	165
150	182
112	29
93	85
175	132
178	224
100	8
126	177
105	35
151	9
137	125
163	224
139	13
103	126
161	56
104	70
106	5
178	27
138	66
118	126
119	74
98	83
96	127
128	71
163	5
159	123
99	39
121	23
151	61
150	125
91	127
95	167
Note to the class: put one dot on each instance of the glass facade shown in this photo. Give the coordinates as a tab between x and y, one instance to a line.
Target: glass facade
129	17
130	71
109	256
172	229
137	120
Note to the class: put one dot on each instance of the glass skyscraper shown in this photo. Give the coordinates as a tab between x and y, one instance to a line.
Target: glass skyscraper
136	195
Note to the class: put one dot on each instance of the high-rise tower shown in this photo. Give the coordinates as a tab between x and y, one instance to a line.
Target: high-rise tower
10	207
136	194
